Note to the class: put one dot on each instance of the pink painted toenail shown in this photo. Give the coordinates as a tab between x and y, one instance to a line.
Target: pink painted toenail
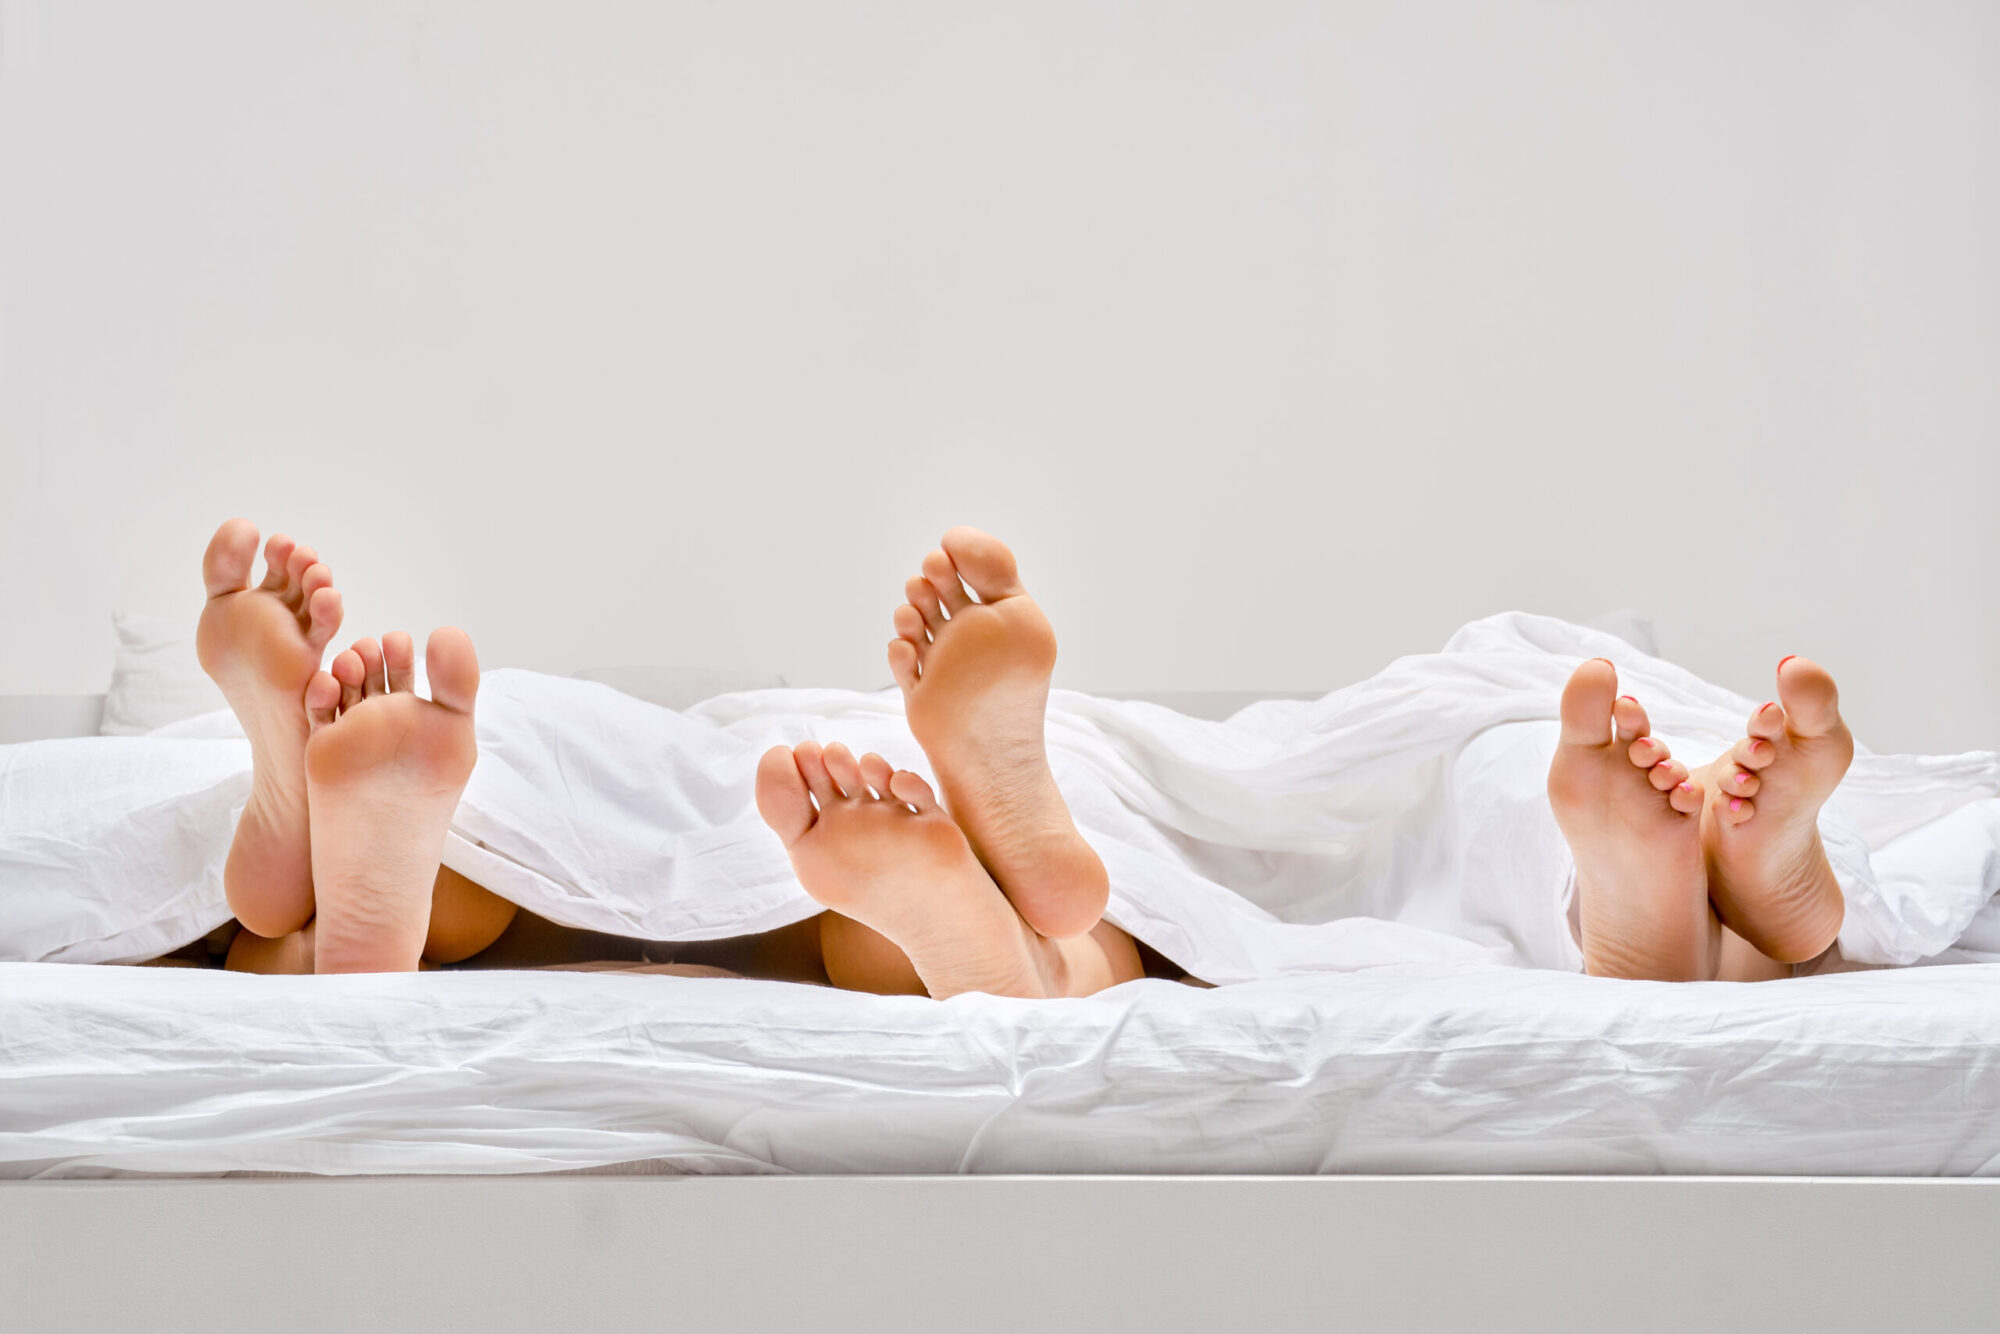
1743	778
1736	803
1628	697
1687	787
1772	705
1787	658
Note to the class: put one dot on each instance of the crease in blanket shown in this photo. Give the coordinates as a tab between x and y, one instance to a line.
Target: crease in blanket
1398	821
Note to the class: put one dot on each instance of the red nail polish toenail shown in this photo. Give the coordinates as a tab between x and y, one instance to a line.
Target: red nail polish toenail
1628	697
1787	658
1761	707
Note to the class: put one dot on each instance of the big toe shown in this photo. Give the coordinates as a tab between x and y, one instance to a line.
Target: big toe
1812	703
225	566
452	667
984	562
1587	702
782	798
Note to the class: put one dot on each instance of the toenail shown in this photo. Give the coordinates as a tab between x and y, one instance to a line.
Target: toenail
1743	778
1772	705
1736	803
1628	697
1687	787
1787	658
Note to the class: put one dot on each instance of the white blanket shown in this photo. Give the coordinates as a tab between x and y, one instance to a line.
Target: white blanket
1399	821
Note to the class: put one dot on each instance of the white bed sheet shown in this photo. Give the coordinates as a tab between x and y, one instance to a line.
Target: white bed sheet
106	1069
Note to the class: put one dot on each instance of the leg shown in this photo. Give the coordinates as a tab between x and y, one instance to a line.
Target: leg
975	681
1630	814
1767	871
384	769
261	646
465	918
874	846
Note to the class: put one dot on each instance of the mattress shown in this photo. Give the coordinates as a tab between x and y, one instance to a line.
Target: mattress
107	1069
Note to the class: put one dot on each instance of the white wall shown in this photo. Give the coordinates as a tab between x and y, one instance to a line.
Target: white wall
1280	338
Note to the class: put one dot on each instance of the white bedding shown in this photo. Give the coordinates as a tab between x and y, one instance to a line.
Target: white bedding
1396	1070
1376	871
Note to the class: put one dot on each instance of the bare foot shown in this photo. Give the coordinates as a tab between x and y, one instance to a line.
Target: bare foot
1767	871
975	679
893	861
1631	815
261	646
384	769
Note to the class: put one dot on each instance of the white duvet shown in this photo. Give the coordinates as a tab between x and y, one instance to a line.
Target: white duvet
1376	870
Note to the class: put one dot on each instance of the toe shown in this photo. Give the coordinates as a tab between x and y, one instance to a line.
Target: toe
807	755
843	769
876	772
1812	703
317	575
1667	775
907	787
277	555
1687	796
781	795
322	700
1631	718
909	623
944	578
301	560
1586	704
1735	810
322	617
372	683
984	562
399	661
225	566
1768	722
1741	783
453	667
903	663
925	599
351	672
1753	752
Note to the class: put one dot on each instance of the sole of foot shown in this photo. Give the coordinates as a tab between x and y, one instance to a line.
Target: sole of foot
384	769
872	844
973	655
261	646
1767	869
1632	817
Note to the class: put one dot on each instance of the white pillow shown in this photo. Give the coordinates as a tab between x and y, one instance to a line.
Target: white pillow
156	679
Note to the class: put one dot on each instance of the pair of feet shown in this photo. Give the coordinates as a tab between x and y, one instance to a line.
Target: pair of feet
993	889
354	775
1715	873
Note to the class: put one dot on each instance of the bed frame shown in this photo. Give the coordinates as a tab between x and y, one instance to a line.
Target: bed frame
1015	1254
